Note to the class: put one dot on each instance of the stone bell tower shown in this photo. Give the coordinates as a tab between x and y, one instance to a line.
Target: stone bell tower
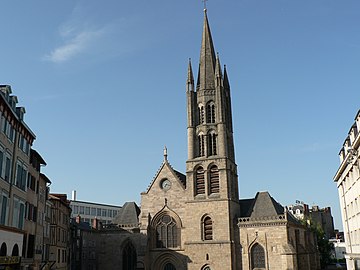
211	173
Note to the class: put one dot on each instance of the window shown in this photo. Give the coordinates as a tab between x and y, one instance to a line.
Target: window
257	257
214	180
129	257
201	114
93	211
4	207
207	228
109	213
2	157
212	144
87	210
99	212
76	209
103	212
24	145
210	112
19	213
21	175
199	181
81	210
167	232
201	142
7	173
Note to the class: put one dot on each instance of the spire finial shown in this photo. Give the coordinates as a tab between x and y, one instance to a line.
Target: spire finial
204	1
165	153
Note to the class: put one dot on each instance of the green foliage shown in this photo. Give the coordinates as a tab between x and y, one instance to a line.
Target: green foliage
324	246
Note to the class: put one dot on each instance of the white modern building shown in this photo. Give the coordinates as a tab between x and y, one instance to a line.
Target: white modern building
88	211
348	184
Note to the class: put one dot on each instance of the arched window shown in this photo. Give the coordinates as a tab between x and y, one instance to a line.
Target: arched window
15	251
257	257
210	112
201	142
169	266
201	114
207	228
167	233
129	257
206	268
214	180
199	181
3	250
212	144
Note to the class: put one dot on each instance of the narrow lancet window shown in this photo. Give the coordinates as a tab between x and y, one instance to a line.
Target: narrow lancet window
214	180
199	181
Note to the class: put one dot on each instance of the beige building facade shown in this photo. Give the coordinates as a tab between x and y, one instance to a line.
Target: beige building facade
347	179
21	195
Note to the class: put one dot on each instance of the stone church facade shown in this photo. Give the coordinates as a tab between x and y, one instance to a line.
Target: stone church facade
196	221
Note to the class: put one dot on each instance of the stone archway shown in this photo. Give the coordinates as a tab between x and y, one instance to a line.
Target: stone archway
169	261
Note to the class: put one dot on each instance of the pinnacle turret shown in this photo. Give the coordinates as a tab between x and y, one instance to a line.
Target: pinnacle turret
190	78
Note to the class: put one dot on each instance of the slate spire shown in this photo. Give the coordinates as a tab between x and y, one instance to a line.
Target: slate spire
206	74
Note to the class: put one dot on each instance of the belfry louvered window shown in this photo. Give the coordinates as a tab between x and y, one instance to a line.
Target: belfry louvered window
257	257
199	181
207	228
214	180
210	113
201	142
212	144
167	233
201	114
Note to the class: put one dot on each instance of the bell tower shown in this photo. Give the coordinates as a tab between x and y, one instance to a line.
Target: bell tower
211	173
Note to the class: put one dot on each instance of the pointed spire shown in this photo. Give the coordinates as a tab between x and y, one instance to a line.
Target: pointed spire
206	73
218	73
190	78
226	80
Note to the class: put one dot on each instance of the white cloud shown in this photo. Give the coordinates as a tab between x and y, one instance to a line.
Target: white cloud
74	43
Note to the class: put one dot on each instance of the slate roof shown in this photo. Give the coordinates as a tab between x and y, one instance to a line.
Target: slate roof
181	176
128	214
263	205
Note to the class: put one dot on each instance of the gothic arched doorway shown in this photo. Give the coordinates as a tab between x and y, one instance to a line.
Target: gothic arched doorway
129	257
169	266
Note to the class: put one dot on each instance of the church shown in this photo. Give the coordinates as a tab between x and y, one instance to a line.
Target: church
196	220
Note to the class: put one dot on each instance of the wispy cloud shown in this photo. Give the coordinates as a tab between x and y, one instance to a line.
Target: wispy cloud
74	43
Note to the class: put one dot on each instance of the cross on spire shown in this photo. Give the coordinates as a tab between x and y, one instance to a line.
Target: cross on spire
204	1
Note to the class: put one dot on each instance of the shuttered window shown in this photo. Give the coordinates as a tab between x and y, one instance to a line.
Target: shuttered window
214	180
200	181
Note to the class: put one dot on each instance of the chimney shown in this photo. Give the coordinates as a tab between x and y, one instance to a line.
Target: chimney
73	195
95	224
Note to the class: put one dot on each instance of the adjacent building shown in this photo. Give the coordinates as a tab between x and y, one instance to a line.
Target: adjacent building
59	231
22	192
318	216
89	211
348	184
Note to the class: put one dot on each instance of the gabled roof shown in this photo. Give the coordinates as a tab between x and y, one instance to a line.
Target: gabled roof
181	177
128	214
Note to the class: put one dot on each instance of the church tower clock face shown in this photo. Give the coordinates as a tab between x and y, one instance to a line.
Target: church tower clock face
165	184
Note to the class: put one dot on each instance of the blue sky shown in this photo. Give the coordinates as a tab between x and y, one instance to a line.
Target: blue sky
103	83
